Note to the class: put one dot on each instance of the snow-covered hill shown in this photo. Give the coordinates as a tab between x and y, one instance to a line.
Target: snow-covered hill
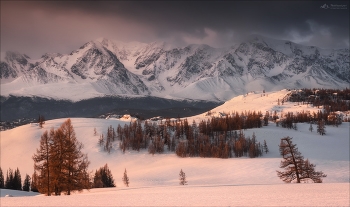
260	102
105	67
211	181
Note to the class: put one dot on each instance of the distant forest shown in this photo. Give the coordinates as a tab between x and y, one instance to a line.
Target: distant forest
218	137
330	99
223	137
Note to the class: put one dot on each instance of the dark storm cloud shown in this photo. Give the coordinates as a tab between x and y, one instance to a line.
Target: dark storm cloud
57	26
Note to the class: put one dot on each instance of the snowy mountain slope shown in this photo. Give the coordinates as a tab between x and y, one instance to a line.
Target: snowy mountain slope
259	102
106	67
90	70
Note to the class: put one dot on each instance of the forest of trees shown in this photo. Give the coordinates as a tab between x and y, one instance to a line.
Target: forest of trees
13	179
103	178
216	137
330	99
296	168
290	119
59	164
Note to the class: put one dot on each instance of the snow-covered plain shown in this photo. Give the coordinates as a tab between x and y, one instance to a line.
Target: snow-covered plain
327	194
211	181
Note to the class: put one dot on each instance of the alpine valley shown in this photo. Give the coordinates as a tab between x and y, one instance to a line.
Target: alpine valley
158	72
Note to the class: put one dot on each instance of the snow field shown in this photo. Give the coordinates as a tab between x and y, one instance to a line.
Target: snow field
327	194
330	153
211	181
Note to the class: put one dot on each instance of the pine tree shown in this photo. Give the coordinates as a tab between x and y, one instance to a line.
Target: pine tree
60	163
17	181
42	163
126	179
97	180
292	161
109	139
252	150
265	148
321	128
266	118
57	153
26	183
296	168
101	140
9	179
182	178
2	180
75	163
103	178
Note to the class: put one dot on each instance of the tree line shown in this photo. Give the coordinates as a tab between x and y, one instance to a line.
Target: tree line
102	178
216	137
320	119
13	180
333	99
288	119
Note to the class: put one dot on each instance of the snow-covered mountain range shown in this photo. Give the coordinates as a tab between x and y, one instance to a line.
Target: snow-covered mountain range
105	67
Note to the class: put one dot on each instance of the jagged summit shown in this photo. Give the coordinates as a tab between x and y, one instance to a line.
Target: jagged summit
107	67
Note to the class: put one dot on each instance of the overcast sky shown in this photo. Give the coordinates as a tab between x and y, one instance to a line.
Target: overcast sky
37	27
